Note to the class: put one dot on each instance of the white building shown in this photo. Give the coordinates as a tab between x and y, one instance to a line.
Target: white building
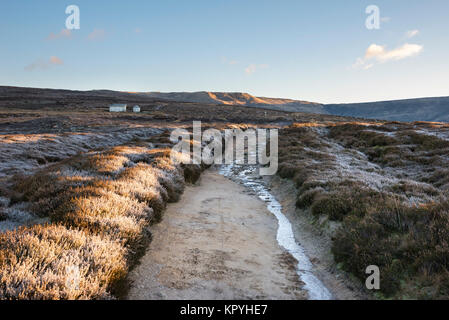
136	109
117	107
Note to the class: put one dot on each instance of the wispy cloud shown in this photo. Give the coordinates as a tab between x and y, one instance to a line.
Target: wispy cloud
379	54
412	33
225	60
362	64
44	64
63	34
252	68
97	34
55	60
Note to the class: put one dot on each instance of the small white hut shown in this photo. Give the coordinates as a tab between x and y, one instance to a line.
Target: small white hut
136	108
117	107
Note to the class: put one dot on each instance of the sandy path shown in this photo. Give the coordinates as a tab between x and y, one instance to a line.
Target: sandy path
217	242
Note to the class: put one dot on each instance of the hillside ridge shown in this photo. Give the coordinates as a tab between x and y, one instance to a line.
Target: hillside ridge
433	109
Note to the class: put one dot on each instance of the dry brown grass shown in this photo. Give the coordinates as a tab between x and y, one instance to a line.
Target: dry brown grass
100	205
55	262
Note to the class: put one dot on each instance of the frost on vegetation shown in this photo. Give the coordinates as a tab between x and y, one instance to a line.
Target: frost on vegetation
22	153
98	208
16	216
385	189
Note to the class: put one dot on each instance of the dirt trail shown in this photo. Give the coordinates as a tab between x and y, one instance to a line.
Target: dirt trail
217	242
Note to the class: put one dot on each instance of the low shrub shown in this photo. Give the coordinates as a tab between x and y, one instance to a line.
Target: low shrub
287	170
409	245
424	141
334	206
101	163
192	172
373	139
306	198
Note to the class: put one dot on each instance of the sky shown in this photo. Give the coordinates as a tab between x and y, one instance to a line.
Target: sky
317	50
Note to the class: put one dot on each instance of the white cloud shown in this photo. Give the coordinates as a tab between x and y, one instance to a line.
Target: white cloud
64	33
412	33
379	54
382	55
44	64
97	34
374	50
252	68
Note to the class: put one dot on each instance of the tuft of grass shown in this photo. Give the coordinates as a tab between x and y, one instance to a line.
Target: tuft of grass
307	198
336	208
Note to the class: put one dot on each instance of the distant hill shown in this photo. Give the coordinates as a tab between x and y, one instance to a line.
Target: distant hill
239	99
37	98
423	109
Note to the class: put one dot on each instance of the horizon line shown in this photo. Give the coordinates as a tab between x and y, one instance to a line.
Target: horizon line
242	92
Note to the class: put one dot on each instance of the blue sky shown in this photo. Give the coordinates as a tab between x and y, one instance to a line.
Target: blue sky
310	50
